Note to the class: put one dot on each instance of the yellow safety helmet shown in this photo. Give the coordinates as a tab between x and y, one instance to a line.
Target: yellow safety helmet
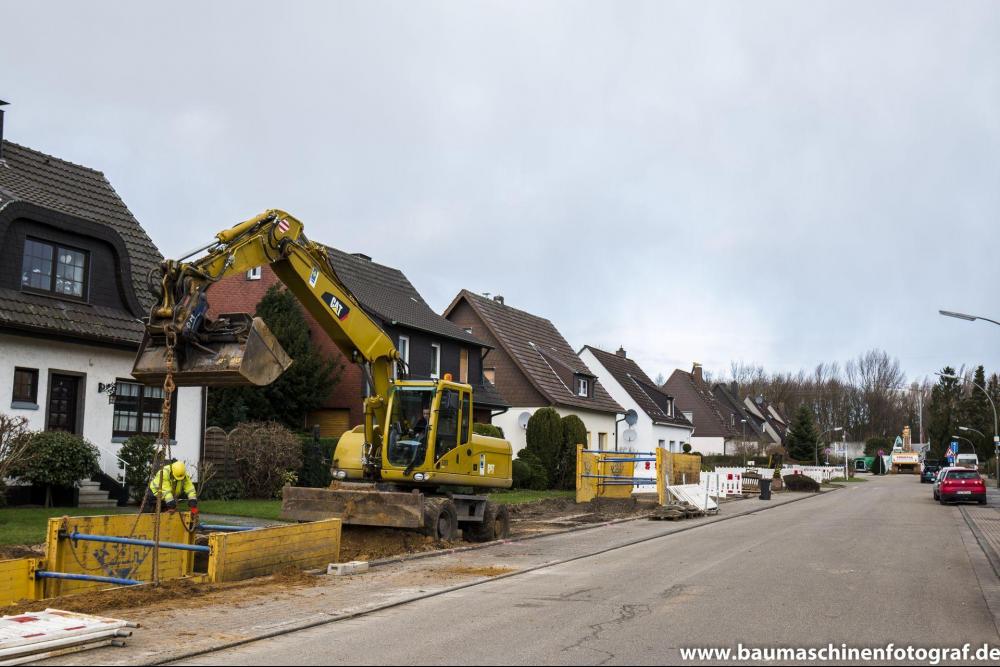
178	470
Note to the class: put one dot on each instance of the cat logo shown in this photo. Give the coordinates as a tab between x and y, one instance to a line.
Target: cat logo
314	276
490	469
338	307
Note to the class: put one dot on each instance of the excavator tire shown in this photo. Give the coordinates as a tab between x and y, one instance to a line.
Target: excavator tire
495	525
440	519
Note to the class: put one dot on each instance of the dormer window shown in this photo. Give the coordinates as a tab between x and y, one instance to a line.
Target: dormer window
255	273
582	387
48	267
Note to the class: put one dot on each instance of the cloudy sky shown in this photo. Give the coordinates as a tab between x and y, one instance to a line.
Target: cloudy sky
776	182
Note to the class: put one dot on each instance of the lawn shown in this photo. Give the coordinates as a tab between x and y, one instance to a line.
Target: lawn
257	509
852	480
27	525
521	496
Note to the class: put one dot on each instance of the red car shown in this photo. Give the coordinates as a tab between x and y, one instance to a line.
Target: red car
959	485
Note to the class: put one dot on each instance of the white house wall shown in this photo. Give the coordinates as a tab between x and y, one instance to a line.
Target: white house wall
96	365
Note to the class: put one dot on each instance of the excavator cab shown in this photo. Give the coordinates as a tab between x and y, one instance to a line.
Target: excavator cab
235	349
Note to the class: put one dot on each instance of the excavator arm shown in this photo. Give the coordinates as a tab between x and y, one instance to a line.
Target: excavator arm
237	349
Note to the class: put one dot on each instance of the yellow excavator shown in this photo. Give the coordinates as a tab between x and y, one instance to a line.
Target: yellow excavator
414	463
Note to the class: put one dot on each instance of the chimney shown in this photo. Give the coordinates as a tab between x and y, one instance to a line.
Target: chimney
735	388
2	104
621	352
498	299
696	372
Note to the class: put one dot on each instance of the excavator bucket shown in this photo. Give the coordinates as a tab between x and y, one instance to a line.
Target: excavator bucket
240	353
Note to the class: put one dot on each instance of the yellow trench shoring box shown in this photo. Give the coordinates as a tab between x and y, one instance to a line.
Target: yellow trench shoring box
123	561
16	581
594	473
256	553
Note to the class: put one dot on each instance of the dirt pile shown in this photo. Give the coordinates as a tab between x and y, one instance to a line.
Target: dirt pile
369	543
17	551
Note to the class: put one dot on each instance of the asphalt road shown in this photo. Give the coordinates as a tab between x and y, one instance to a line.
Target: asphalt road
877	562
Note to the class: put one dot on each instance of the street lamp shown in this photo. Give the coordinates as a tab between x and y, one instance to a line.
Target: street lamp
744	442
996	430
967	318
829	430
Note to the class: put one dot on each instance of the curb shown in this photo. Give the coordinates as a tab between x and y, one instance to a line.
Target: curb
991	555
334	618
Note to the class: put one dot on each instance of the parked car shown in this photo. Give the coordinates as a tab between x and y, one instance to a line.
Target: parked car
959	485
929	470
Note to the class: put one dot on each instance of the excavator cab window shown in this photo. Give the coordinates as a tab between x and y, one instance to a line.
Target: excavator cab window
447	423
409	426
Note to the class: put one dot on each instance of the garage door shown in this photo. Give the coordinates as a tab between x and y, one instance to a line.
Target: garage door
332	422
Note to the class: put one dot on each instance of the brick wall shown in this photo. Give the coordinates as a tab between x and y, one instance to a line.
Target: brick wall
237	294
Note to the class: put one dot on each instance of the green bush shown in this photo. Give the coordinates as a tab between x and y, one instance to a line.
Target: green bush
136	455
537	478
574	433
317	457
488	430
222	489
521	474
545	442
686	447
801	483
58	459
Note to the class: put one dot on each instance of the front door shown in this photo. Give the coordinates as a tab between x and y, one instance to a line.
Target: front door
64	392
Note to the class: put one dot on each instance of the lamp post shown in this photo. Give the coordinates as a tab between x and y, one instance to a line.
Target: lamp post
996	433
996	430
744	447
820	439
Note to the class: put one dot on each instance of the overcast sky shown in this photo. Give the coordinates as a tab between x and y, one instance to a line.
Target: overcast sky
775	182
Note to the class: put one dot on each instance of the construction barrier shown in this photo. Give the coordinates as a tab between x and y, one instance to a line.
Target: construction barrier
133	561
256	553
16	582
608	474
682	468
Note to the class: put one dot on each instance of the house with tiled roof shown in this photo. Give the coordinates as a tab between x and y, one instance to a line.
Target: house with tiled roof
660	423
533	366
717	429
73	269
756	433
431	345
773	420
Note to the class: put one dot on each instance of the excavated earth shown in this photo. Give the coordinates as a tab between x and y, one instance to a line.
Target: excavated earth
357	543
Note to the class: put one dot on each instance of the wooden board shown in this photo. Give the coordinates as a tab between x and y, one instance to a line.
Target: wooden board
353	507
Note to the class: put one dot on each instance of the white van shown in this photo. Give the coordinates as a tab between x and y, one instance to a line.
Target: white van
967	461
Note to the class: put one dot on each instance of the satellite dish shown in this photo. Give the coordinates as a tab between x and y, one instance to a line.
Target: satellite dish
630	435
631	417
522	420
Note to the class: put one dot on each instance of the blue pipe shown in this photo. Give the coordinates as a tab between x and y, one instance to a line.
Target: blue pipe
43	574
82	537
223	529
635	460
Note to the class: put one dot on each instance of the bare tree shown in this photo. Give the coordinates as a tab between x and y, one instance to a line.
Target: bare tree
15	444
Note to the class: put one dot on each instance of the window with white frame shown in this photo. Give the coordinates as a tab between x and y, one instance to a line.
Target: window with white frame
582	387
435	360
255	273
138	409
